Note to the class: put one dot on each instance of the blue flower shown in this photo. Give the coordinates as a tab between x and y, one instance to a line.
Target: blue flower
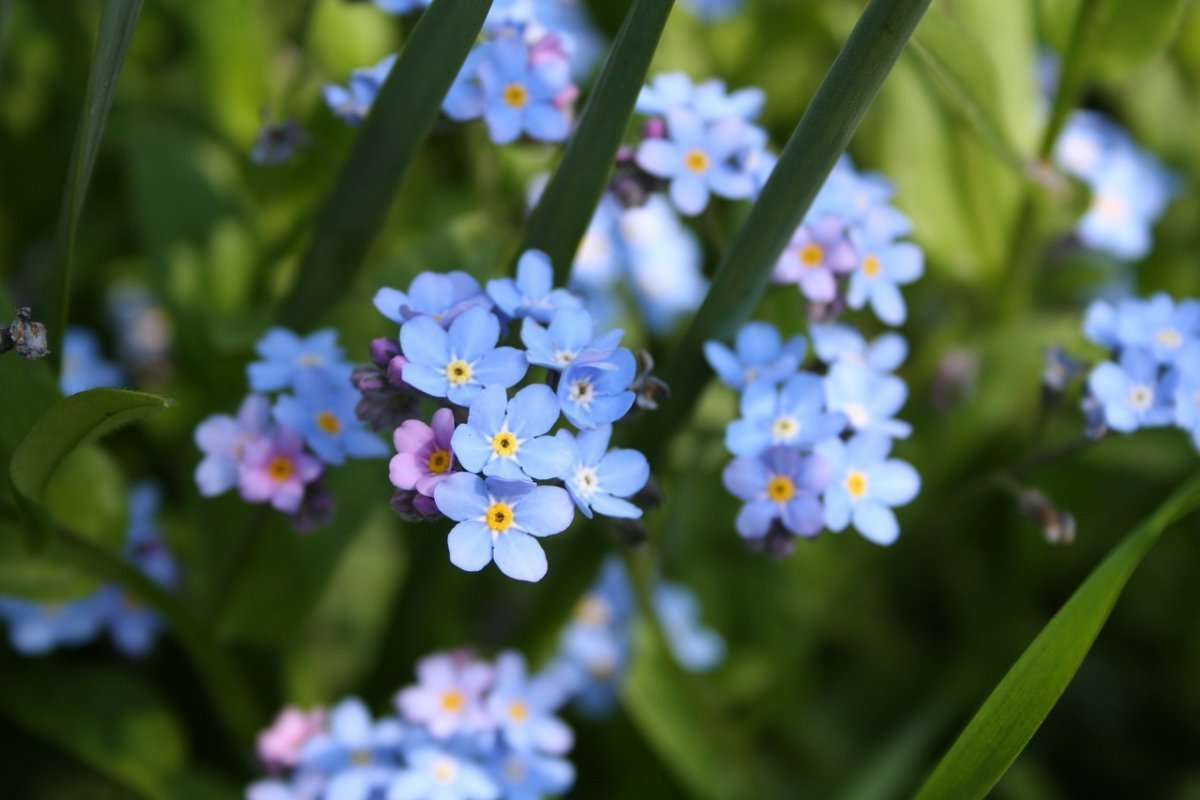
358	755
759	354
696	647
674	91
1133	393
713	10
37	628
595	390
83	366
447	699
781	484
460	363
598	477
531	776
287	355
523	709
504	439
866	486
835	343
869	400
1187	394
499	519
433	294
437	774
1158	324
568	337
663	260
861	200
402	6
353	102
882	269
793	415
594	648
697	159
322	411
277	143
532	294
523	96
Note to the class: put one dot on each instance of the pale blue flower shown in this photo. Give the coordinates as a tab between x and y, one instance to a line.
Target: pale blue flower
523	96
441	296
433	773
353	102
523	708
663	261
866	486
862	201
759	353
817	255
531	776
696	647
322	411
598	478
287	355
1133	393
358	755
882	269
713	10
447	699
37	628
836	343
669	92
569	336
793	415
697	158
83	365
868	399
594	390
781	484
532	293
506	438
458	364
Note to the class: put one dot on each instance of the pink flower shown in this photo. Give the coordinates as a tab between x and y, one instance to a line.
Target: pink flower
279	746
277	469
424	457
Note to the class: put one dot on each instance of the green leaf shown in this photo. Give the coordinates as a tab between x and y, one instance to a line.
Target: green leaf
72	422
117	21
818	141
402	115
562	215
104	716
1019	704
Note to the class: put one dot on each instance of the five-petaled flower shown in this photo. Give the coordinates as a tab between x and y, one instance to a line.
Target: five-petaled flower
598	478
506	438
458	364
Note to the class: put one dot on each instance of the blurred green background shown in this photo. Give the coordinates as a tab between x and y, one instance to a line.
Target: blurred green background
850	667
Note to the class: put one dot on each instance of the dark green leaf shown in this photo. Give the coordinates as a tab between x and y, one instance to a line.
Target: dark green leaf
402	115
562	215
1019	704
818	141
104	716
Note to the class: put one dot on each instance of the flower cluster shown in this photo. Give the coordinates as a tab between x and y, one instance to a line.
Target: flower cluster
489	459
467	730
275	451
1152	378
35	628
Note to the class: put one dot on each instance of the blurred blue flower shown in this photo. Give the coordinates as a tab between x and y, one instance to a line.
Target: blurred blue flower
448	696
1158	324
523	708
781	484
696	647
713	10
531	776
83	365
322	411
869	400
37	628
402	6
816	256
1187	395
532	293
287	355
499	519
794	415
441	296
836	343
357	755
594	390
505	438
1133	393
882	269
277	142
594	647
669	92
866	486
566	21
522	95
697	158
568	337
598	478
759	353
353	102
460	363
433	773
862	201
663	261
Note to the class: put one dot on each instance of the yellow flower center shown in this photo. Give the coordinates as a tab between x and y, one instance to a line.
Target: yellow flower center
328	422
781	489
696	160
280	468
360	757
439	462
515	95
856	483
1169	337
811	255
458	372
504	444
517	711
870	265
1110	206
499	516
592	612
453	701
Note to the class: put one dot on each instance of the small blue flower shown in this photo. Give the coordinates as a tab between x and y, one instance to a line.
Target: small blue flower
697	159
83	366
836	343
277	143
869	400
862	200
664	263
358	756
531	776
523	709
505	438
781	484
866	486
713	10
793	415
882	269
222	438
532	294
568	337
458	364
759	354
669	92
1158	324
595	390
287	355
598	478
499	519
433	294
696	647
1187	394
37	628
322	411
594	648
433	773
402	6
353	102
1133	393
523	96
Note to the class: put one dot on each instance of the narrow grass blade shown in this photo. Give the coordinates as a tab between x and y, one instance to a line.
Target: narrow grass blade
117	21
1081	51
1019	704
403	113
821	137
562	215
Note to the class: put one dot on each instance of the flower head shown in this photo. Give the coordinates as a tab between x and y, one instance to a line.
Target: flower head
223	438
1133	392
433	294
506	438
286	356
448	696
440	774
598	478
323	412
759	353
793	415
568	337
817	254
869	400
696	647
698	158
523	708
356	754
835	343
781	484
866	486
84	366
882	268
276	469
353	102
424	456
522	95
458	364
595	390
531	293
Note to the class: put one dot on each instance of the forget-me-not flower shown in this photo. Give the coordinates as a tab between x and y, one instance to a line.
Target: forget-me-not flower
353	102
869	400
84	366
222	439
286	356
569	335
759	353
37	628
424	456
276	469
448	696
697	159
836	343
522	96
696	647
882	268
598	478
531	293
458	364
1133	393
442	296
434	773
357	754
781	484
322	411
815	257
793	415
594	390
866	486
531	776
668	92
523	708
506	438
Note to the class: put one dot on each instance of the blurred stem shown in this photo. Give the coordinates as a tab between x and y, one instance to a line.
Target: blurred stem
235	701
5	8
